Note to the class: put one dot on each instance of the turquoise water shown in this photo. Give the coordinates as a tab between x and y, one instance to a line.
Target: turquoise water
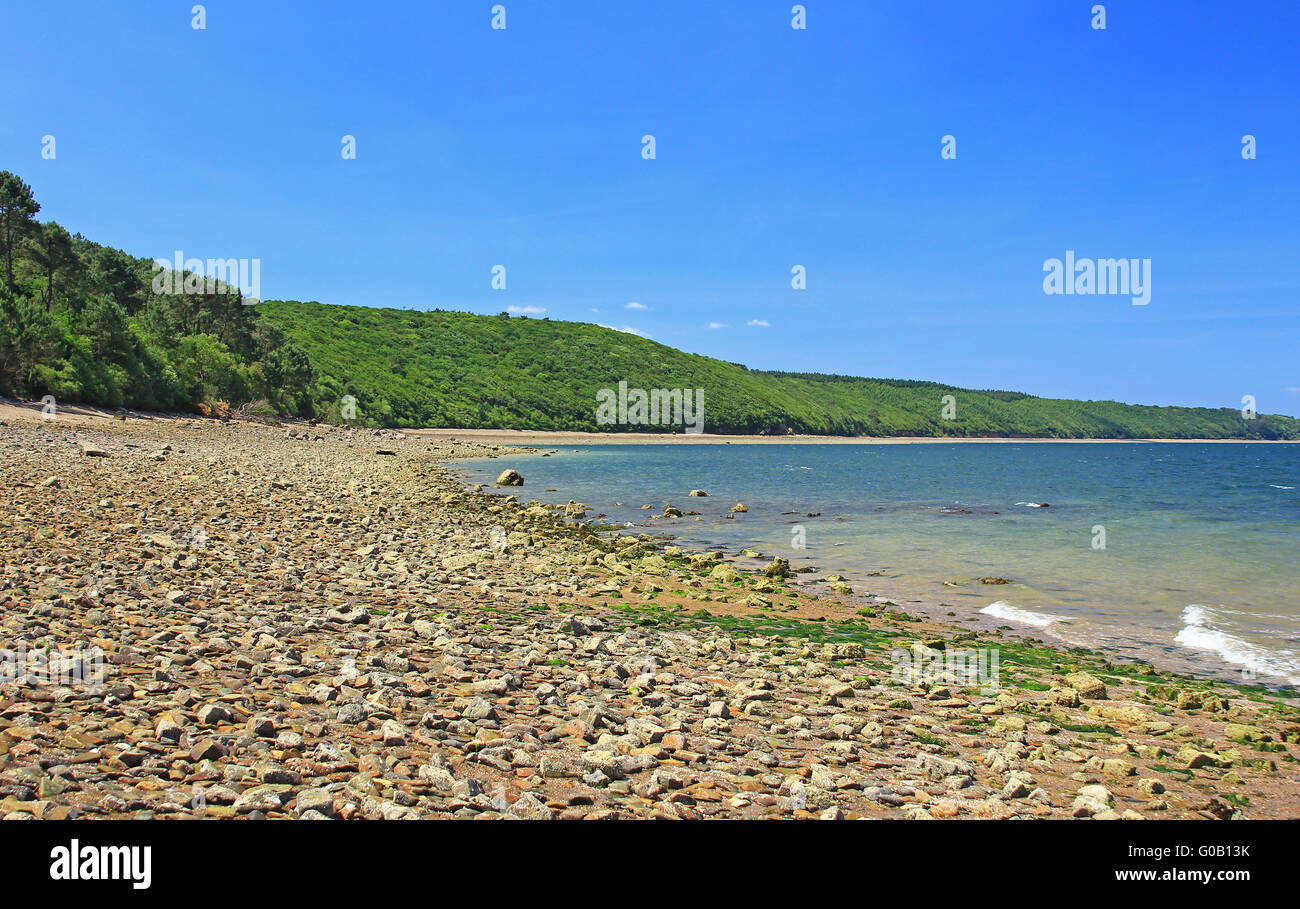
1199	571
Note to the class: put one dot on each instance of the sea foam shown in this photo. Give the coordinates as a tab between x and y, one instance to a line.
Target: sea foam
1198	633
1004	610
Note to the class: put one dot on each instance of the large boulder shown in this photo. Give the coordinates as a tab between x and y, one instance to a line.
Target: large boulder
725	573
1087	685
510	477
778	568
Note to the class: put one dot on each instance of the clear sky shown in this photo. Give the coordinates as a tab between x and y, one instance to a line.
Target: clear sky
775	147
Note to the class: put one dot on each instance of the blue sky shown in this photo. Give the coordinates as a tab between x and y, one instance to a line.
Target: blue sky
775	147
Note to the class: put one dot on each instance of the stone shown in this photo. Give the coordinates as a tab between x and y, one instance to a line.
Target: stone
212	714
725	573
207	750
529	807
167	729
1086	685
315	800
259	798
1091	800
1241	732
1066	697
777	568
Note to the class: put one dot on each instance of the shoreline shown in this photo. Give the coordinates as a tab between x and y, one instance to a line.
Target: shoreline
89	414
539	438
358	635
915	594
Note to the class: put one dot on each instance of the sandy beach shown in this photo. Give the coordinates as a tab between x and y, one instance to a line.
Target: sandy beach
317	622
532	437
87	414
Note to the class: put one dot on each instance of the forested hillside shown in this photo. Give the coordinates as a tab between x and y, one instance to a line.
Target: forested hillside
82	322
408	368
85	323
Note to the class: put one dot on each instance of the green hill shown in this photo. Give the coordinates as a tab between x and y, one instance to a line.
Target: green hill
408	368
82	322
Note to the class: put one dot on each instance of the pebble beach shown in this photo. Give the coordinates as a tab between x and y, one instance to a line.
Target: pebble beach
315	622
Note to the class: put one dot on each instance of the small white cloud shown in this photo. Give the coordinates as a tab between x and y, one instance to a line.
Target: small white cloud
636	306
526	310
1294	389
626	329
759	323
594	309
716	325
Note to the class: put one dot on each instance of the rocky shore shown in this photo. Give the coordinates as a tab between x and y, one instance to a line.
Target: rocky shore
321	623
